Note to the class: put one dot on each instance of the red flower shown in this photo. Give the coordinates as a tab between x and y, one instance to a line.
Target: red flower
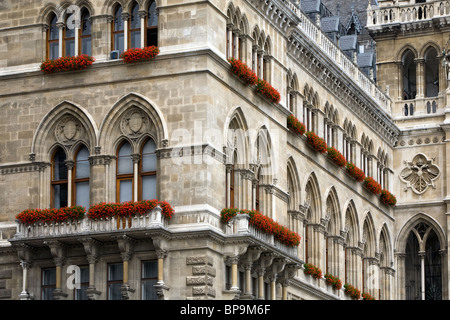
243	71
372	185
312	270
139	54
336	156
355	172
316	142
333	281
264	88
352	291
387	198
30	216
67	64
295	126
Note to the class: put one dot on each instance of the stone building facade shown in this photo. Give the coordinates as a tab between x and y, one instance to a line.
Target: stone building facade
182	128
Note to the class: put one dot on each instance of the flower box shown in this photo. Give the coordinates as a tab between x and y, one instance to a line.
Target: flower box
139	54
388	198
264	223
243	71
352	291
264	88
336	156
80	62
333	281
371	185
295	126
355	172
312	270
367	296
30	216
316	142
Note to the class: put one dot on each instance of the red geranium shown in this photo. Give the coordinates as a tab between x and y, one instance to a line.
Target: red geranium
333	281
372	185
355	172
67	64
312	270
295	125
336	156
352	291
139	54
316	142
30	216
128	209
388	198
243	71
264	88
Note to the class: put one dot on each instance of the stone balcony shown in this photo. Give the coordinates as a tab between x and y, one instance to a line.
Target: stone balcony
388	15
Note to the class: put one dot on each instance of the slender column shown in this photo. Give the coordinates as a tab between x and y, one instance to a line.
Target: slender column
58	252
272	279
420	77
69	165
91	247
136	159
60	26
261	273
234	273
161	254
125	17
25	253
422	273
142	15
126	246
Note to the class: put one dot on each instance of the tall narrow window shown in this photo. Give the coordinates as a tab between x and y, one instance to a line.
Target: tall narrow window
257	191
135	27
431	73
115	281
53	39
118	30
409	75
152	25
81	293
48	284
69	39
148	171
124	173
81	177
85	33
149	278
59	182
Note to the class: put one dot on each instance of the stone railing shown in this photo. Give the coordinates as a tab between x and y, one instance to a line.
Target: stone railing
348	67
240	226
420	107
151	220
378	16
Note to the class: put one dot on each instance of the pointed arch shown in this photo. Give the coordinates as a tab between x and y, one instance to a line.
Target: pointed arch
332	212
111	131
312	199
293	185
236	136
48	133
369	238
351	224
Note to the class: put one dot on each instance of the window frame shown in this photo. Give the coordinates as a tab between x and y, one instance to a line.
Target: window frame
76	180
84	12
147	28
124	176
52	17
142	173
54	182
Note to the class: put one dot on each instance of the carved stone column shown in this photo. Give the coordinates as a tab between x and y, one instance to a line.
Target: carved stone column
126	247
58	251
91	247
25	253
162	289
252	255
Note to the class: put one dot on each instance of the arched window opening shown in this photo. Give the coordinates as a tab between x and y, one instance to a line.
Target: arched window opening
423	265
118	35
135	27
148	170
59	181
152	25
81	177
409	75
53	38
431	73
69	39
125	177
85	34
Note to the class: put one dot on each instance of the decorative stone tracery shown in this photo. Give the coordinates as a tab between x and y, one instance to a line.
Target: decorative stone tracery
419	174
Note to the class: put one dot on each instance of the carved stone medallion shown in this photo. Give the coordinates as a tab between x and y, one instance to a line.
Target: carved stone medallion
420	174
134	123
68	130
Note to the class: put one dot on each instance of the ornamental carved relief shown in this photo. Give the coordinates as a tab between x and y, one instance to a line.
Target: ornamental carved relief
68	131
420	174
134	123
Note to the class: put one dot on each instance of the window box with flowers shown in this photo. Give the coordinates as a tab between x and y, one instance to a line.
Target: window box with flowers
333	281
132	55
388	198
243	71
352	291
295	125
264	88
31	216
367	296
316	142
336	156
312	270
355	172
264	223
62	64
370	184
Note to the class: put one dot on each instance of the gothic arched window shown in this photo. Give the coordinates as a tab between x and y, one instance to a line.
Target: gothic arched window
59	179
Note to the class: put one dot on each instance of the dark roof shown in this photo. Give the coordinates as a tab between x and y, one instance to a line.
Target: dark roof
348	42
309	6
365	59
329	24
